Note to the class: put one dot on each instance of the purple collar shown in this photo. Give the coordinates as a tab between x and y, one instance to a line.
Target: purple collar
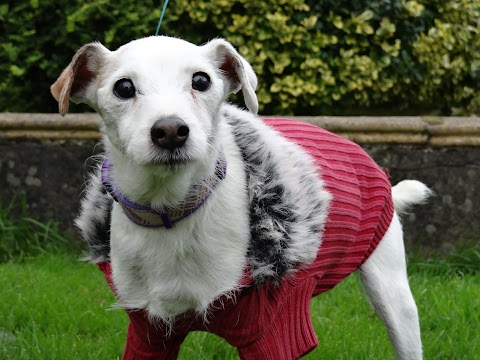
146	216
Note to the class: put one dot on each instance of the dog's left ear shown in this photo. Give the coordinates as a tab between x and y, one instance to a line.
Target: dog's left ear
237	70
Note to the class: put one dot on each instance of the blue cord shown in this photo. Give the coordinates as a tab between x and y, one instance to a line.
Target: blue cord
161	16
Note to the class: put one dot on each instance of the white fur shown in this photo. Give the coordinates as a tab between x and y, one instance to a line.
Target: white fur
384	276
171	271
409	192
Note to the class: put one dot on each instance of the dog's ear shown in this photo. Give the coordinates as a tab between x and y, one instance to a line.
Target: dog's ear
238	71
73	82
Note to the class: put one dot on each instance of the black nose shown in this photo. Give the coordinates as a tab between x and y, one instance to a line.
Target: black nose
169	132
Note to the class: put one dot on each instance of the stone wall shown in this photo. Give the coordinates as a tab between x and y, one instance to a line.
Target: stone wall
47	158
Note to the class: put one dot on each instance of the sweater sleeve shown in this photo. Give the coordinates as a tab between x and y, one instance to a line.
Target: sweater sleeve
270	322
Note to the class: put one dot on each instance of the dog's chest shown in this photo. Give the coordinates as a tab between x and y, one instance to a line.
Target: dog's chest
171	271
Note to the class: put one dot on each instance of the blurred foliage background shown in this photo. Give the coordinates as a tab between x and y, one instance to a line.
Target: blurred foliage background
313	57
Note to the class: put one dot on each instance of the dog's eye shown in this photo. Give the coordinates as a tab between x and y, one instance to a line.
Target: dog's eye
124	89
200	81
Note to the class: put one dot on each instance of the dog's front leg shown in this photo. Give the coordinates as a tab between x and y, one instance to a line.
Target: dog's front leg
146	340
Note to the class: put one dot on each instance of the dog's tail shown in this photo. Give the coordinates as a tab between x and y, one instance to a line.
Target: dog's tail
407	193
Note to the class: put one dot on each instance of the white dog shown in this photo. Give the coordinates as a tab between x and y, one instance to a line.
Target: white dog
223	221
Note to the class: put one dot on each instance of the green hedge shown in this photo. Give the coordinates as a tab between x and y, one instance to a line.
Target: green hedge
312	57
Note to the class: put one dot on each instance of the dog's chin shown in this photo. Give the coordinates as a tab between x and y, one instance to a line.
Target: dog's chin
173	161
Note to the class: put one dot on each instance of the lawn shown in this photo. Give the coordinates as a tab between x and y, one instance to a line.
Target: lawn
55	307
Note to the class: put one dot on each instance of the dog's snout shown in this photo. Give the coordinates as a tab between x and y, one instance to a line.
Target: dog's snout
169	132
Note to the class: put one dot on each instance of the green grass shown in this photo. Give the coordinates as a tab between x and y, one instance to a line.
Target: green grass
22	237
56	307
53	306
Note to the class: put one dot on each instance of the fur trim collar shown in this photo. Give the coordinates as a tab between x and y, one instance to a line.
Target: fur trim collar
288	202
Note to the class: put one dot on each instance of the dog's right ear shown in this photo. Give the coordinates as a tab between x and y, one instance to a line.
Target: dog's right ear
236	69
74	81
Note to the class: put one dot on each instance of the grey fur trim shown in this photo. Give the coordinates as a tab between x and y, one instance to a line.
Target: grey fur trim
288	202
94	218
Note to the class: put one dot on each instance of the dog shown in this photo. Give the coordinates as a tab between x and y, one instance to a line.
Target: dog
204	216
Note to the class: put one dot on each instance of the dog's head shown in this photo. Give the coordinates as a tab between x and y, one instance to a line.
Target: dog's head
159	97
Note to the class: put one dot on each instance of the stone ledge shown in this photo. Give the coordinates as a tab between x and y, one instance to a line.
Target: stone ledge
429	131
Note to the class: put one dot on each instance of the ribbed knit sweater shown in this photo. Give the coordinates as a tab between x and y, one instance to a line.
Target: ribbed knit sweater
270	321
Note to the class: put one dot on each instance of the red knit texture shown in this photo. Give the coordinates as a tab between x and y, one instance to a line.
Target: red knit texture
273	322
361	209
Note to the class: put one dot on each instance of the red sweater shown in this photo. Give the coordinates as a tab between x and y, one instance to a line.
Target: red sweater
273	322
